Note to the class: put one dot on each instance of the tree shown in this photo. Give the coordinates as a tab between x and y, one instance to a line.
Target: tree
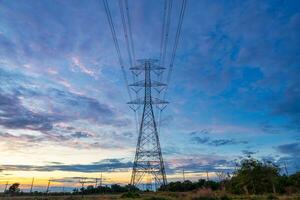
14	188
255	177
188	185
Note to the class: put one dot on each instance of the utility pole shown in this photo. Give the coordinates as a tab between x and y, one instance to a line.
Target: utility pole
31	187
183	176
207	177
285	168
48	186
101	180
96	182
6	186
83	181
148	162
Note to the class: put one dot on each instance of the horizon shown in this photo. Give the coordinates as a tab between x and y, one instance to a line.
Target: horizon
234	91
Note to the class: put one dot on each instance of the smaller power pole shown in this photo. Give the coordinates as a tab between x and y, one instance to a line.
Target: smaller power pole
48	186
207	177
96	182
31	187
285	168
83	181
6	186
183	175
101	180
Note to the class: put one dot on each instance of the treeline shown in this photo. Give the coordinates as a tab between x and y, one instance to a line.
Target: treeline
14	189
113	189
252	177
189	185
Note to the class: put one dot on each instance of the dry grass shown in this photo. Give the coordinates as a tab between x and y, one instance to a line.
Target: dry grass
199	194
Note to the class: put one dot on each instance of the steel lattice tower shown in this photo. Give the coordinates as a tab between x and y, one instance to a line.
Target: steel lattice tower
148	163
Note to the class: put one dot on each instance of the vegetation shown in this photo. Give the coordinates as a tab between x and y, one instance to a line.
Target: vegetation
254	180
14	188
188	186
113	189
131	195
255	177
252	177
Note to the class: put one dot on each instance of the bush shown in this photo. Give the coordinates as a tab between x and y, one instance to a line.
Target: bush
224	197
272	197
204	198
254	177
156	198
204	192
130	195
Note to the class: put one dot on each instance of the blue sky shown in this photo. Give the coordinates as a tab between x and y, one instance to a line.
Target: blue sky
234	89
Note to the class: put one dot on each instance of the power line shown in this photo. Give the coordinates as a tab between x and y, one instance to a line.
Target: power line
113	32
182	11
166	27
148	128
121	6
130	32
129	47
163	30
180	21
163	48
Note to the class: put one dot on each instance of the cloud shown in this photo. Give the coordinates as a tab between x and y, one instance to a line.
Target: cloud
291	149
249	153
221	142
203	131
23	106
289	105
15	116
200	163
80	134
101	166
77	63
269	128
216	142
239	70
201	140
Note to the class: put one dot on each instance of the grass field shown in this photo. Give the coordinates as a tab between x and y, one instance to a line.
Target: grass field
160	196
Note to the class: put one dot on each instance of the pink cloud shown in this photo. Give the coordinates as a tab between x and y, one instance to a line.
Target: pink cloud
78	63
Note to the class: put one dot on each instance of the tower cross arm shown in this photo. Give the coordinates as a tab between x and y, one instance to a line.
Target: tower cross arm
142	101
152	67
152	84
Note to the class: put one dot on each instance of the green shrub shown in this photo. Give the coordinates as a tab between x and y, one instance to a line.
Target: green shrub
272	197
131	195
204	198
156	198
224	197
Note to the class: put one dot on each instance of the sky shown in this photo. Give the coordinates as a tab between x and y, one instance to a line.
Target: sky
234	91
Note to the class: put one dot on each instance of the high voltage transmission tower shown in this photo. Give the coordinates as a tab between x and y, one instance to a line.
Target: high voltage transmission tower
148	163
